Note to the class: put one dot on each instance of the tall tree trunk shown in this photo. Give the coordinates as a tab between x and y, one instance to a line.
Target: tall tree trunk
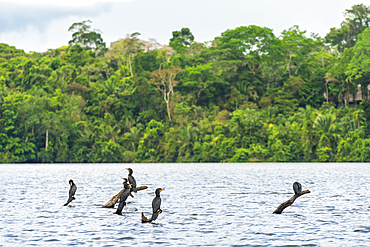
129	64
288	65
168	107
47	139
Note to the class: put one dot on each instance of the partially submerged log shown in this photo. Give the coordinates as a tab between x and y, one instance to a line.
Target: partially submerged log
147	220
288	203
114	200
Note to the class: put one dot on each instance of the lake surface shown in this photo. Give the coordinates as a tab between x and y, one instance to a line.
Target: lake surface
203	205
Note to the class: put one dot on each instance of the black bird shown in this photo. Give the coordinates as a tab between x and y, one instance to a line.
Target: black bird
123	196
72	191
131	180
297	187
156	204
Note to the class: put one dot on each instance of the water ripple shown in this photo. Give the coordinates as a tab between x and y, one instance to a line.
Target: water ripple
203	205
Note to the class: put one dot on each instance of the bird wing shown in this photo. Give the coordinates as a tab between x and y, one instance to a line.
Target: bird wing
132	181
297	187
156	204
72	190
124	195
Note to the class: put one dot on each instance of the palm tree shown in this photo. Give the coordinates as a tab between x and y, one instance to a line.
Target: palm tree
329	78
187	137
110	133
134	136
326	125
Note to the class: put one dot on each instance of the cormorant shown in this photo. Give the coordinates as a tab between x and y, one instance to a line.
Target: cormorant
123	196
131	180
72	191
156	204
297	187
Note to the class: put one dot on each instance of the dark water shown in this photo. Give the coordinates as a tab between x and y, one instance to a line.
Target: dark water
203	205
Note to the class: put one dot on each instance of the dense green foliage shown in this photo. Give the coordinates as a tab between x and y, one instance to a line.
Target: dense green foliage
246	96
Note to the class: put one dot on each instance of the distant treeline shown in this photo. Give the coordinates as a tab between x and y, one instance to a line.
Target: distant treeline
246	96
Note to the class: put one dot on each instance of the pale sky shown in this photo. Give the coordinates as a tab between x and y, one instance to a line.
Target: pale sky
38	25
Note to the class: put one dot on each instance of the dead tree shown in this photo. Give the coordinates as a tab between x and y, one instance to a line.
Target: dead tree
114	200
288	203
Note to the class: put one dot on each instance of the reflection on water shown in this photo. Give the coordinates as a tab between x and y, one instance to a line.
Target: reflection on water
203	204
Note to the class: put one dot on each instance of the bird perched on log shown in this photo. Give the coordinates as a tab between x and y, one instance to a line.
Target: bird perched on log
297	187
123	196
156	204
131	180
72	191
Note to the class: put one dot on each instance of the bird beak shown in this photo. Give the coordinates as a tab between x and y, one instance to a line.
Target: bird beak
162	190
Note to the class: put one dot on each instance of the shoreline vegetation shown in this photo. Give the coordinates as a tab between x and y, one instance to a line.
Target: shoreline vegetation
246	96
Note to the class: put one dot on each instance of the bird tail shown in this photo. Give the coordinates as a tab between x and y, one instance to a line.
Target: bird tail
154	216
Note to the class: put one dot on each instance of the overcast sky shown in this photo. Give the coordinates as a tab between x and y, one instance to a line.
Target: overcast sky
39	25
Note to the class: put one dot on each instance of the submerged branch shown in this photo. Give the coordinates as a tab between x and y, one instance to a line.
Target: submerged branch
288	203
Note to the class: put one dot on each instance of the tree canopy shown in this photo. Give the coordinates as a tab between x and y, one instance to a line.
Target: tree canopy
248	95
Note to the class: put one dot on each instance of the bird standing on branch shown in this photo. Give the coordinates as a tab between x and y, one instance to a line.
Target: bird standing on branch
156	203
72	191
297	187
123	196
131	180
